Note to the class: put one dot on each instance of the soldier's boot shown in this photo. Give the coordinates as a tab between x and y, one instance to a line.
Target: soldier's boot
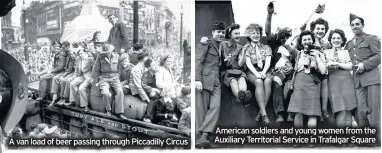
280	118
108	112
203	141
55	97
122	116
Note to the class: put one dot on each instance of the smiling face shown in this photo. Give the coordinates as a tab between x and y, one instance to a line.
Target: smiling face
356	26
125	62
319	31
336	40
306	40
235	35
255	36
218	35
112	19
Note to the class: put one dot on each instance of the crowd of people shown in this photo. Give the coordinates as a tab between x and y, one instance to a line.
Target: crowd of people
305	71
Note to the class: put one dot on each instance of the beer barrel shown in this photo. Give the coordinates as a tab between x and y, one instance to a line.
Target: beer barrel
135	108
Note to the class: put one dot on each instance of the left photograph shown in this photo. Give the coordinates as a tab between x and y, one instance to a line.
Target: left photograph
95	74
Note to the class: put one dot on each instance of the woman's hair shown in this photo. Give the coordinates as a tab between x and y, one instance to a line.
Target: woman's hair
341	33
163	60
304	33
319	21
229	29
95	35
253	27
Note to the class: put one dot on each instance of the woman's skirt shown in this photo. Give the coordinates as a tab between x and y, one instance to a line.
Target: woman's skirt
305	98
341	91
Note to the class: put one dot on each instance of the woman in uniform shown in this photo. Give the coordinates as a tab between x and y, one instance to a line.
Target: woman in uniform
340	83
258	61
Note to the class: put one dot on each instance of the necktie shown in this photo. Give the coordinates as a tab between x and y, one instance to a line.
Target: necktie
335	55
258	56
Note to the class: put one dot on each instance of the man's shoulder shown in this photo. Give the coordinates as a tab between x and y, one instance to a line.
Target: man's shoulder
370	37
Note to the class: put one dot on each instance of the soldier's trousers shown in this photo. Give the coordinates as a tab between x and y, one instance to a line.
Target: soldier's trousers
207	109
369	103
44	82
79	85
104	84
65	85
278	98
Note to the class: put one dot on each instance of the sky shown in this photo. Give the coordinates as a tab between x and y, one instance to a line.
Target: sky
294	13
174	6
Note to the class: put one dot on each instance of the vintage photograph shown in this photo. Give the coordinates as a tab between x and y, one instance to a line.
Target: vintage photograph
96	69
285	64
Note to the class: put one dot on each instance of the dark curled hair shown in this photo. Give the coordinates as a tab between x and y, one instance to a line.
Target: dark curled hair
341	33
229	29
253	27
319	21
56	42
110	15
304	33
95	35
65	43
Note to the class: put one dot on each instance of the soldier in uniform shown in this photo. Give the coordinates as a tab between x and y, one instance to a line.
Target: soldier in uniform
106	69
365	53
58	69
57	82
207	83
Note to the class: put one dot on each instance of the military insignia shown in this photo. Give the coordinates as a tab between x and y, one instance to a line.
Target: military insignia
20	90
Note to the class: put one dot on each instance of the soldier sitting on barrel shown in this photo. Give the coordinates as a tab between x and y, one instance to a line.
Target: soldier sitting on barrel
124	73
83	78
58	69
58	82
142	83
106	70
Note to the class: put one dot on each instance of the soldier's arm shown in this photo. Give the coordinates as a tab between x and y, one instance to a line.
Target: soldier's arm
268	24
200	55
96	68
137	80
123	35
375	47
60	66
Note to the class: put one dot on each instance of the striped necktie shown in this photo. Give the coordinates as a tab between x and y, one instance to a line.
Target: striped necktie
258	56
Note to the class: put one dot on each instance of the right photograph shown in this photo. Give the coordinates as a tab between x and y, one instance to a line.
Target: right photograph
287	74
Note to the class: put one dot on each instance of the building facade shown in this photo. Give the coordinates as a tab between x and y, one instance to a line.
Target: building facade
47	19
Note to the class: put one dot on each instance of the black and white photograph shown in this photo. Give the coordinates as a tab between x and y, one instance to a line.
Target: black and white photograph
95	74
287	73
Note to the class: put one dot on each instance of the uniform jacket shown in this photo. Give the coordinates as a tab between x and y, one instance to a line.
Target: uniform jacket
59	62
366	50
106	65
207	64
69	65
118	37
233	63
148	81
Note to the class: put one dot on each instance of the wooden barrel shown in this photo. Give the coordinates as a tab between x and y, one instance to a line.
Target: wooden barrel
135	108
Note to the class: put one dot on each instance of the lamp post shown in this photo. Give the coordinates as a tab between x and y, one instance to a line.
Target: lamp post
26	51
181	29
24	9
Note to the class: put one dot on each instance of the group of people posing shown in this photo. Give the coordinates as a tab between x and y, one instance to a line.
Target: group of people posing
96	65
304	70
